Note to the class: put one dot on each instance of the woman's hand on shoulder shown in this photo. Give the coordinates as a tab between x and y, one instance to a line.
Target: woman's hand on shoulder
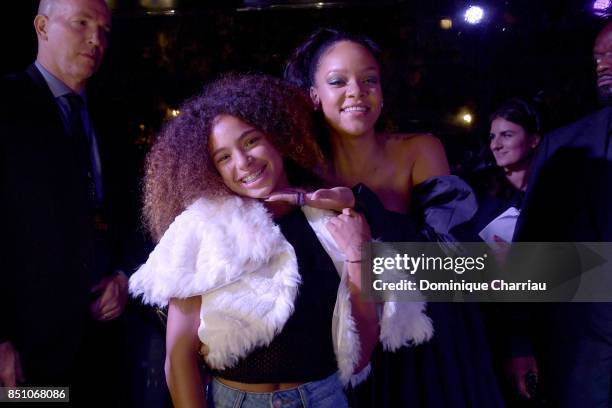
335	198
351	231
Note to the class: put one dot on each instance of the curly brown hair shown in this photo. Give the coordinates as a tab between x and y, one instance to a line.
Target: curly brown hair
179	168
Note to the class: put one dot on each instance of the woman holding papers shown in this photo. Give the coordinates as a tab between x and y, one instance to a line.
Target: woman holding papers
513	140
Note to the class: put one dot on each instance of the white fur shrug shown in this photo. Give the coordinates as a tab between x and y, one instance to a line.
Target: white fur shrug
230	252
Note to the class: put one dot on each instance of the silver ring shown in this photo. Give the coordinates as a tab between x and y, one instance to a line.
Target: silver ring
300	198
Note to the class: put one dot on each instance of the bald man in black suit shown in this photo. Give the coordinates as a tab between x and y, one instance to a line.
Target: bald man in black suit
59	290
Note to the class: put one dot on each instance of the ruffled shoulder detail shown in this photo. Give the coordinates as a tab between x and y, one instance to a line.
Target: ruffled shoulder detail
209	245
444	202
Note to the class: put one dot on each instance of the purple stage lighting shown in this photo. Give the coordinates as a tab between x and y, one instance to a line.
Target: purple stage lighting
602	7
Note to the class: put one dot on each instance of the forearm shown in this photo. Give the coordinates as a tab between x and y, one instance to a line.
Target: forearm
365	316
182	345
350	231
184	380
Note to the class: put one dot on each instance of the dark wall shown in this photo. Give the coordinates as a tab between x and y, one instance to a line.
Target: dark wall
525	48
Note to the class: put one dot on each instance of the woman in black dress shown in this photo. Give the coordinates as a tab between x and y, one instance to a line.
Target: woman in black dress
409	195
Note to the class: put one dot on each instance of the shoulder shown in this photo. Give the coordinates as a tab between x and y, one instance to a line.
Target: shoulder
414	144
15	86
27	81
411	138
587	132
24	92
599	120
15	80
16	106
423	152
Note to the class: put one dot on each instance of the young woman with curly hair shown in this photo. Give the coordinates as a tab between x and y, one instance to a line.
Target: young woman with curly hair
268	291
418	200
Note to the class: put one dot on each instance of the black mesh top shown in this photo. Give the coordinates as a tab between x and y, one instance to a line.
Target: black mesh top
303	350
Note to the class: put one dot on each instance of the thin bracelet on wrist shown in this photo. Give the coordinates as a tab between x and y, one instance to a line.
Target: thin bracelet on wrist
349	261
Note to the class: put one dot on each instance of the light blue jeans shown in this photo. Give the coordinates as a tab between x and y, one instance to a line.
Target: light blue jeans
326	393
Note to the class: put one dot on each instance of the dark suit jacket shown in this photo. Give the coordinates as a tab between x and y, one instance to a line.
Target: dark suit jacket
569	200
47	246
569	195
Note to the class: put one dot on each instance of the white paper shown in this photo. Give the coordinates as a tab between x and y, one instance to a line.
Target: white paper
502	226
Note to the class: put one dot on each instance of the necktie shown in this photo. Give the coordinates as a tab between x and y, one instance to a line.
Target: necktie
76	131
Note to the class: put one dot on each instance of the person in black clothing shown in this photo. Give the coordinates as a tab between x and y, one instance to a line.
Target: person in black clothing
60	292
417	200
569	200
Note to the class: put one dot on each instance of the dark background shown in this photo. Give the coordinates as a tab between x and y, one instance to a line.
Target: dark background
162	51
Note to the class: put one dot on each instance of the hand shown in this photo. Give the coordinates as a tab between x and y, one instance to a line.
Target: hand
204	350
350	230
113	297
501	250
10	366
517	368
335	198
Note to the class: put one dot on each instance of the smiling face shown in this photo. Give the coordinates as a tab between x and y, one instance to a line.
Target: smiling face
72	39
347	89
511	145
247	162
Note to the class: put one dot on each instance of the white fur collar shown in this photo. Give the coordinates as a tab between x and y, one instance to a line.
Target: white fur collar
229	243
233	243
211	244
